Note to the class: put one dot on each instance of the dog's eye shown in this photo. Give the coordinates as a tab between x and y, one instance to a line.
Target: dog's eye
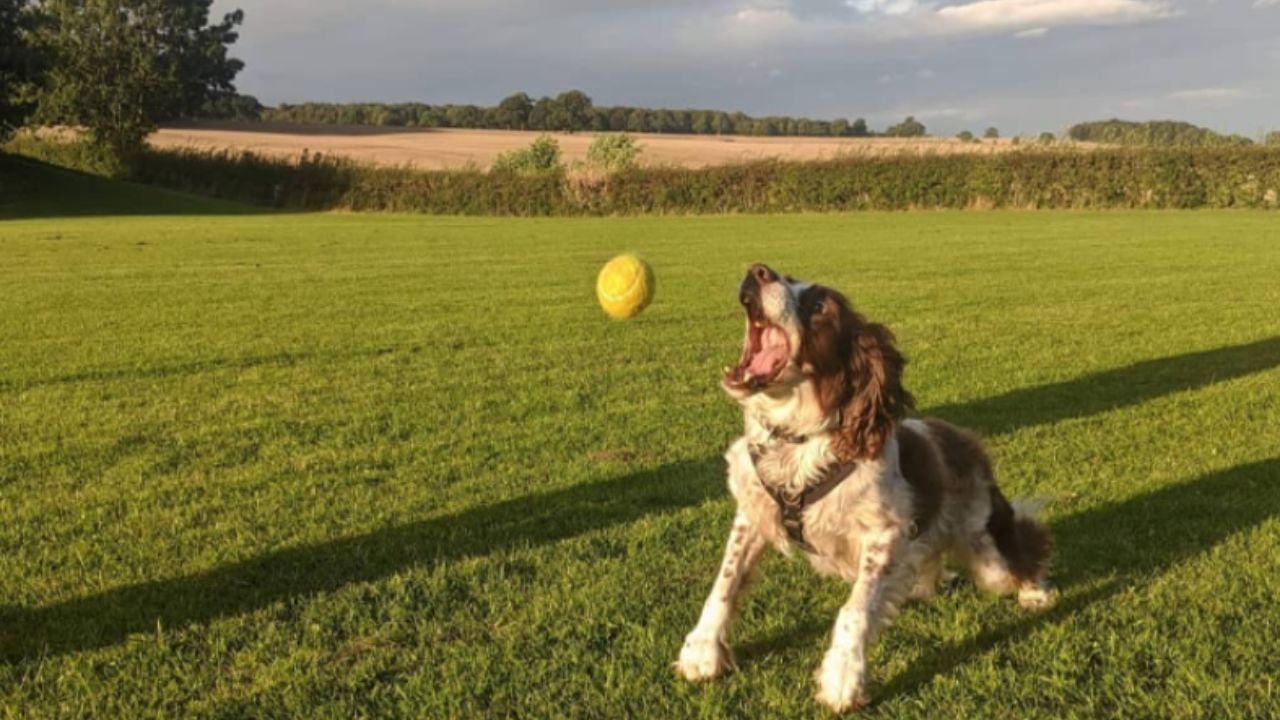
818	308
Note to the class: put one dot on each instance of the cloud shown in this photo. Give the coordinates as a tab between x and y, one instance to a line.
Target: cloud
987	15
1208	94
1034	32
1266	3
884	7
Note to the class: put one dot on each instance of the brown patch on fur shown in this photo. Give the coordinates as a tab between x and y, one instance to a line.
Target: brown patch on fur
962	451
1024	543
926	474
857	372
878	549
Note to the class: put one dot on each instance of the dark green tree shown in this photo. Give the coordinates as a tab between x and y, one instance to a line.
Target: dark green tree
118	67
909	127
573	111
858	128
19	63
513	112
991	133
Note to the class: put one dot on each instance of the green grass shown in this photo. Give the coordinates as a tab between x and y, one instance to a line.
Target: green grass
334	466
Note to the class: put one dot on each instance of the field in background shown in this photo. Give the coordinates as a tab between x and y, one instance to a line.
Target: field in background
337	465
450	148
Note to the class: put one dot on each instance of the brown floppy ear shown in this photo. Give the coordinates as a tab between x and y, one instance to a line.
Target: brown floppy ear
874	400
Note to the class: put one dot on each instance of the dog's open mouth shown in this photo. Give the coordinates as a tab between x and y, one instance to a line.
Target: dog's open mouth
765	352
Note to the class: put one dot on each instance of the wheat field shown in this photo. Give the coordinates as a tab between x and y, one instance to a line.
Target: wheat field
435	149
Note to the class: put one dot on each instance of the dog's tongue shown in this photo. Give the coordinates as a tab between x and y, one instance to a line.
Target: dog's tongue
772	354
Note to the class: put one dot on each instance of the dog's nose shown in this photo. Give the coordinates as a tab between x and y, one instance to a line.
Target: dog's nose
763	273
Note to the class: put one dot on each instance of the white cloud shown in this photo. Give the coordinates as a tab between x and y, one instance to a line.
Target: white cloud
884	7
1266	3
986	15
1034	32
1208	94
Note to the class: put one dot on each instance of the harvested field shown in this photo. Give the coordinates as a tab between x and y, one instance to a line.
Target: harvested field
448	148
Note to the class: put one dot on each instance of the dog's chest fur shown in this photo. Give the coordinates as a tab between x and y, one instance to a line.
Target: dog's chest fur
872	497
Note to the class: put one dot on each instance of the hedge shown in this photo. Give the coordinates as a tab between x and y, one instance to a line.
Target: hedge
1223	177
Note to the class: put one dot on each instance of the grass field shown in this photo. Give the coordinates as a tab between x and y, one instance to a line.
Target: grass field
451	148
336	466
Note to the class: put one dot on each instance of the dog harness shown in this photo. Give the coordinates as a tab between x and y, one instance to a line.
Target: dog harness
793	504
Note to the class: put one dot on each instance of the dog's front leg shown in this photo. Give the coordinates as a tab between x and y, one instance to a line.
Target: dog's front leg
842	678
705	655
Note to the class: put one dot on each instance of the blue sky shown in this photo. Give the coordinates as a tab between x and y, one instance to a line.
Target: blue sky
1021	65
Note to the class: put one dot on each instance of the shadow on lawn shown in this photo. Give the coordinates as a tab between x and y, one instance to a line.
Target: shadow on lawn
1111	389
1139	536
107	618
31	189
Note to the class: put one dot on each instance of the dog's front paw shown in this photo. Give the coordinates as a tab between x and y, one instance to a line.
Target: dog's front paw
1036	597
703	658
841	682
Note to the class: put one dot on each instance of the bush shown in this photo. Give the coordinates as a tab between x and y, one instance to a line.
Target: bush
1047	138
613	152
541	157
965	136
1272	139
991	133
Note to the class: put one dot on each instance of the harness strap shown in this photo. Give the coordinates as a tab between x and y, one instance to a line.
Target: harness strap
793	505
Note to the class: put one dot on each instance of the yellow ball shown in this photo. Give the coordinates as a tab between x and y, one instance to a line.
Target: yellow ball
625	286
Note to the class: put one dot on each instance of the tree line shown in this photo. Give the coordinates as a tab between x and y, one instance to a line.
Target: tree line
574	111
115	68
1156	133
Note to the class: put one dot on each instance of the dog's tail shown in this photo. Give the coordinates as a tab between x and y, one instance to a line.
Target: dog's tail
1023	542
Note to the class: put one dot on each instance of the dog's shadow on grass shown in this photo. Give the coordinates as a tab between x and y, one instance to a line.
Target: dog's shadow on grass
109	617
1138	537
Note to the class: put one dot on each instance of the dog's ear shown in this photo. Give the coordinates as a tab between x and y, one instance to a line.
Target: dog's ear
872	400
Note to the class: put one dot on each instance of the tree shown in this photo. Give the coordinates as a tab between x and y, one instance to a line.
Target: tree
910	127
19	63
232	107
1272	139
1047	138
118	67
964	136
573	111
991	133
513	112
859	128
839	127
540	115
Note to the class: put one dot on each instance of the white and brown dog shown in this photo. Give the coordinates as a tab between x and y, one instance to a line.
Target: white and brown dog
829	464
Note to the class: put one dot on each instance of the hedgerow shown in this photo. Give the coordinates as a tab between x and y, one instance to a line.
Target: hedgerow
1037	177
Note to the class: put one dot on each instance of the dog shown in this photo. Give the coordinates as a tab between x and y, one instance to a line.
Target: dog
829	465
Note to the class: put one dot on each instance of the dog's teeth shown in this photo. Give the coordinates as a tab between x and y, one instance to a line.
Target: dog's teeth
759	324
748	377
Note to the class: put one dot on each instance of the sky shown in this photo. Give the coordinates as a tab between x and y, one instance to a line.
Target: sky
1023	66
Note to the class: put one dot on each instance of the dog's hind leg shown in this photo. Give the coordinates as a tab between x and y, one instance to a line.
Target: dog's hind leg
705	655
1011	554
